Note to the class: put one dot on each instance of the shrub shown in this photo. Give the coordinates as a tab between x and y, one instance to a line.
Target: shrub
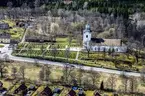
1	45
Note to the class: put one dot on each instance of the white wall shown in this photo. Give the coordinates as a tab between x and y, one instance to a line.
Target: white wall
116	48
86	38
5	40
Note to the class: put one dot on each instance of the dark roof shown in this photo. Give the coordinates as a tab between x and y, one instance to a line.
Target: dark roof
5	35
97	94
22	87
97	40
72	93
47	92
38	39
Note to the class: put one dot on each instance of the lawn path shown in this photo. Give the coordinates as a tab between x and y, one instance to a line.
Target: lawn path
23	48
77	56
24	35
46	50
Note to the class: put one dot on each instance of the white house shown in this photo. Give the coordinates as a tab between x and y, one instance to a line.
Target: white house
100	44
5	38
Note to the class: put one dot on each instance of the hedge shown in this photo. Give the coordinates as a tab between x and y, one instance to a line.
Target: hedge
120	67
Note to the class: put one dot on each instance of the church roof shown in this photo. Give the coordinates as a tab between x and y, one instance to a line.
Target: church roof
97	40
112	42
107	42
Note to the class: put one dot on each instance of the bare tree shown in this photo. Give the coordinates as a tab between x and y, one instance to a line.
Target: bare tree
111	81
125	82
54	51
3	69
73	78
95	77
9	4
68	73
133	84
24	5
29	50
80	75
86	83
44	73
67	53
37	3
70	38
104	53
41	74
47	72
85	5
42	49
143	74
22	71
14	71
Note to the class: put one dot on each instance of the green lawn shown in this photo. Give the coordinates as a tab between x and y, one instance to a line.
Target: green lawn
63	42
10	22
60	43
16	33
1	45
59	53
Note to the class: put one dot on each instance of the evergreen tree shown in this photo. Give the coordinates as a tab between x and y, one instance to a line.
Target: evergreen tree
102	86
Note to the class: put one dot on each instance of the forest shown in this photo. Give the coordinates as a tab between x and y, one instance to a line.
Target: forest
118	7
122	19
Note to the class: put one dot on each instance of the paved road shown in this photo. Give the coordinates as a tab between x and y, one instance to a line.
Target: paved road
23	59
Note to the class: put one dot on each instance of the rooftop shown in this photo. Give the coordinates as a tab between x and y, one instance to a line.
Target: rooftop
97	40
108	42
5	35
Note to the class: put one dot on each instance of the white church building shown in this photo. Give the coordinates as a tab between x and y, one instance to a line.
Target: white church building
100	44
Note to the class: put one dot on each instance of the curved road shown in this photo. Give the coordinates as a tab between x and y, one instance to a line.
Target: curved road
5	51
23	59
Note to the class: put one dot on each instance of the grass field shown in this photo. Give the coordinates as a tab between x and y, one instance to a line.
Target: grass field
10	22
1	45
16	33
60	43
32	73
63	42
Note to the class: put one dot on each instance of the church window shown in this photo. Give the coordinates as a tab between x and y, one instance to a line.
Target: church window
86	36
117	49
95	49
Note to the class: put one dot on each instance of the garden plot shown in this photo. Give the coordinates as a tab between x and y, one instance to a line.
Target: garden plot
63	42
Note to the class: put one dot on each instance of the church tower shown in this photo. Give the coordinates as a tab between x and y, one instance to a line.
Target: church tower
86	36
